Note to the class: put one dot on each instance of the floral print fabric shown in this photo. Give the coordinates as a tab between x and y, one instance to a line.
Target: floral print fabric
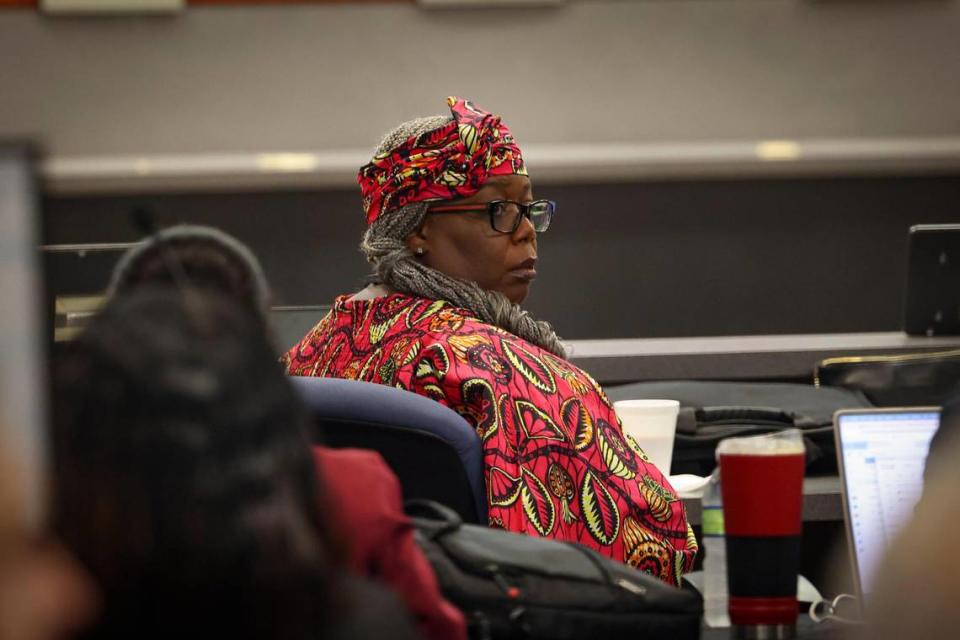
450	162
557	464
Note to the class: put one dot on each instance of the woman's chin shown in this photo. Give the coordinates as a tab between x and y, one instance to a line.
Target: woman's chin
517	292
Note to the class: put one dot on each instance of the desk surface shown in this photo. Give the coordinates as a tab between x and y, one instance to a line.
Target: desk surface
737	357
806	628
821	501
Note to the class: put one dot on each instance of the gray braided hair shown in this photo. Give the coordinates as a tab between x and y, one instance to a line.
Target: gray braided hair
384	245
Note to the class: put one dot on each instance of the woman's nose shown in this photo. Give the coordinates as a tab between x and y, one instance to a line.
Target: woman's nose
525	231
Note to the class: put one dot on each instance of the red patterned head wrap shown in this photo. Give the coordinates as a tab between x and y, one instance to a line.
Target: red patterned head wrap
450	162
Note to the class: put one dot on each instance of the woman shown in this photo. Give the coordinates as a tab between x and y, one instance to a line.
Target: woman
452	237
184	483
197	257
380	541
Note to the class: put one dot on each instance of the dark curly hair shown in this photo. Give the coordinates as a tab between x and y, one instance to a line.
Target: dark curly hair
198	256
183	477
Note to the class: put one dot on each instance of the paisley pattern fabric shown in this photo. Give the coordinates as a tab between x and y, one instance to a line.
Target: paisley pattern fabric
450	162
556	461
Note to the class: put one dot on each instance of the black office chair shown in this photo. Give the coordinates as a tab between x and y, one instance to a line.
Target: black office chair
435	453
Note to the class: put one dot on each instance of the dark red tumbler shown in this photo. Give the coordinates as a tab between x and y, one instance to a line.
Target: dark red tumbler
762	487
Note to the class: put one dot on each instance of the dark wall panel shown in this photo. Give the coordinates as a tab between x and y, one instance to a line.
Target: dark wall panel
307	241
727	258
627	260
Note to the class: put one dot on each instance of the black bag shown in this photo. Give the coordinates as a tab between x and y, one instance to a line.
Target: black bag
510	585
913	379
712	411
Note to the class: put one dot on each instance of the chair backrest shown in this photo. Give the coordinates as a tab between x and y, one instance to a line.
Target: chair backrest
435	453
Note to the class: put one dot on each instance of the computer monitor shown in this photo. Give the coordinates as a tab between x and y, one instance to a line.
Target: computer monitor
23	328
881	455
932	304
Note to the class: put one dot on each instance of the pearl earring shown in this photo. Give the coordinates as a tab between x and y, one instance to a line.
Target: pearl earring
421	251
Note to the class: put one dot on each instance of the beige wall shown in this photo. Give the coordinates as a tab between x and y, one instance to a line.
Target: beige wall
334	76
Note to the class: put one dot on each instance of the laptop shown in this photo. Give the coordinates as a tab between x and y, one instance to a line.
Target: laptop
881	454
932	305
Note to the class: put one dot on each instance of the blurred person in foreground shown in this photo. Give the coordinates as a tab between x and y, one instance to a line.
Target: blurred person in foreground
452	238
378	536
918	584
942	451
195	256
44	593
184	484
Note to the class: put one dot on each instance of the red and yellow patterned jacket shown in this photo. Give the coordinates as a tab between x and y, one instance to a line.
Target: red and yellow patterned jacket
557	464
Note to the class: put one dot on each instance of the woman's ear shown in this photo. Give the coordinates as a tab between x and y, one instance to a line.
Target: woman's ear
417	241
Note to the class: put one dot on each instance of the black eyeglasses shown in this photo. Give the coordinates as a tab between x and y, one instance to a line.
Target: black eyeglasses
505	215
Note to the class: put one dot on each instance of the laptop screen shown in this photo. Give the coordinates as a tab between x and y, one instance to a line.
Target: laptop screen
882	456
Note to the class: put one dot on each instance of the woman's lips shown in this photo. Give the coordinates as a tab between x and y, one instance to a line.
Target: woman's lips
525	271
527	274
